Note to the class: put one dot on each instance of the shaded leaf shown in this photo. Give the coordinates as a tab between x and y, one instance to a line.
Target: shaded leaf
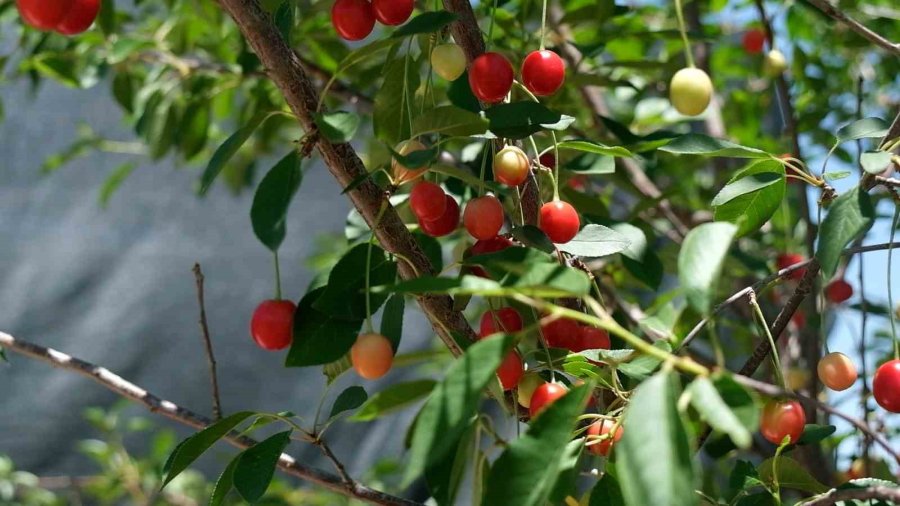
518	120
790	475
268	213
595	147
227	150
427	22
256	466
594	241
193	447
393	398
700	262
337	126
450	121
704	145
351	398
707	401
318	337
849	216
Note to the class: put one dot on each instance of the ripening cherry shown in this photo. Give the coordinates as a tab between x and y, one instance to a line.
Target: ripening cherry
548	160
754	40
392	12
690	91
505	319
511	370
886	386
786	260
838	291
491	77
780	419
353	19
544	395
272	325
591	338
372	356
562	333
837	371
559	221
449	61
601	428
483	217
68	17
403	173
775	63
483	247
428	201
543	72
444	225
856	470
527	385
511	166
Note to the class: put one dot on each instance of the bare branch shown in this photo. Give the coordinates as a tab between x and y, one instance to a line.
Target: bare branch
838	15
860	494
204	330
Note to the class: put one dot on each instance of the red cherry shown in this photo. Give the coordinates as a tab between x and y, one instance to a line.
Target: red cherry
392	12
753	41
577	182
80	17
511	370
372	356
68	17
511	166
491	77
427	201
559	221
543	72
786	260
353	19
509	321
544	395
444	225
886	386
548	160
780	419
483	247
799	319
272	325
600	428
483	217
591	338
837	371
561	333
838	291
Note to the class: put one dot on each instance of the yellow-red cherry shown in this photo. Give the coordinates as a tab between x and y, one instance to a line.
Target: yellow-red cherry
886	386
838	291
543	72
544	395
272	324
602	428
353	19
483	217
753	41
511	370
446	223
491	77
402	173
781	418
511	166
559	220
372	356
392	12
786	260
837	371
428	201
505	319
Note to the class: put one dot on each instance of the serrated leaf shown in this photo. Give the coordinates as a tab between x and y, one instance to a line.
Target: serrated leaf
518	120
450	121
256	466
791	474
227	150
393	398
390	113
745	185
700	262
337	126
445	477
814	433
594	241
533	237
704	145
642	366
273	196
849	216
193	447
224	484
862	129
351	398
752	196
707	401
875	162
595	147
427	22
318	337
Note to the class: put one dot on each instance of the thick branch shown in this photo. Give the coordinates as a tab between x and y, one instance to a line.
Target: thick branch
128	390
838	15
207	342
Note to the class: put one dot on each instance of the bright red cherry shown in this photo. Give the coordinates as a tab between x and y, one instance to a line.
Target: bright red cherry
444	225
505	319
838	291
272	325
544	395
392	12
68	17
428	201
559	221
837	371
562	333
780	419
754	40
886	386
491	77
483	217
601	428
511	370
511	166
786	260
353	19
591	338
483	247
372	356
543	72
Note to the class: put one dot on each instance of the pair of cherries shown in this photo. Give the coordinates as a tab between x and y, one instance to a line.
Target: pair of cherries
570	335
436	211
491	75
68	17
548	393
355	19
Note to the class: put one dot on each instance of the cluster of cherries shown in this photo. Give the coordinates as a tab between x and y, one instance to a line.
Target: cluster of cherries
355	19
68	17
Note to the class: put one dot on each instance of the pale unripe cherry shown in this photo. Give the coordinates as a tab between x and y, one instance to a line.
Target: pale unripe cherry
372	356
837	371
690	91
449	61
775	63
527	385
511	166
402	173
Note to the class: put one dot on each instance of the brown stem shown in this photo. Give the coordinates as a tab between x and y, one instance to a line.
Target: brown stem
326	450
204	330
859	494
838	15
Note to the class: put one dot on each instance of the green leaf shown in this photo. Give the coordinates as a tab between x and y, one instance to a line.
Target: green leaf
814	433
106	18
392	320
745	185
268	213
607	492
790	475
595	147
862	129
518	120
700	262
594	241
742	478
225	483
390	116
337	126
114	180
849	216
344	295
463	175
450	121
655	464
591	164
453	402
351	398
284	20
393	398
194	130
875	162
460	94
642	366
639	258
318	337
255	469
227	150
525	473
533	237
836	175
704	145
528	268
707	401
427	22
193	447
445	477
752	196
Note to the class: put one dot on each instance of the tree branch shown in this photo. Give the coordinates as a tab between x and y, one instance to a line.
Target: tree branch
860	494
204	330
170	410
838	15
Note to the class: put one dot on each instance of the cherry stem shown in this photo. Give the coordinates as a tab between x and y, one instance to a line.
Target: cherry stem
779	374
555	144
890	292
487	150
490	37
277	276
688	54
543	25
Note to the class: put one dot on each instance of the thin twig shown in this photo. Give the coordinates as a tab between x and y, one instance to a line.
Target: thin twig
838	15
326	450
210	357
